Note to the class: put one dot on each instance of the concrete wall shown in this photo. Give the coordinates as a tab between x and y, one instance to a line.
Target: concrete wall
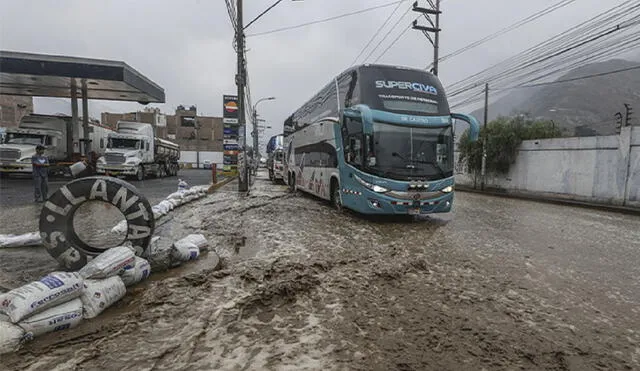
602	169
190	157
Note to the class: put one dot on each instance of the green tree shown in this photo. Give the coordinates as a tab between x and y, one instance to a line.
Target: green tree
503	136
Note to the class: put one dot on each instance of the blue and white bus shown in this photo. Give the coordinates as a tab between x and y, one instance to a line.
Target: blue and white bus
377	139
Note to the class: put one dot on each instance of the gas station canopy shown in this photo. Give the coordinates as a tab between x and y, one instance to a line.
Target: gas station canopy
40	75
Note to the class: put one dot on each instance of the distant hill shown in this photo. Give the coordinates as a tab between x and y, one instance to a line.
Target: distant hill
581	108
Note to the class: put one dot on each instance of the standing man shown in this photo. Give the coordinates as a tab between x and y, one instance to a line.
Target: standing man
40	174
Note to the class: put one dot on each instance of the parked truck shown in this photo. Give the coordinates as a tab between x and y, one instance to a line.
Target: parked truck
134	151
63	142
275	158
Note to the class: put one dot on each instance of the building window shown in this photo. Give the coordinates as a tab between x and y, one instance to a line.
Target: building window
188	121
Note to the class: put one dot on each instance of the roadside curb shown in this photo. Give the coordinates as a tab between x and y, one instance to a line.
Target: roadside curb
215	186
559	201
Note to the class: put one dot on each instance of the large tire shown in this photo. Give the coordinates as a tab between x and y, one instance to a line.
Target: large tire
56	218
336	196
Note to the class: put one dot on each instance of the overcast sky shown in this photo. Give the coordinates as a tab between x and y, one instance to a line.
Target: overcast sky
185	46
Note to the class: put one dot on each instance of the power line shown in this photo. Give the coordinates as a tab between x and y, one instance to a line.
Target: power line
575	78
388	33
561	40
377	32
325	19
392	43
512	27
528	59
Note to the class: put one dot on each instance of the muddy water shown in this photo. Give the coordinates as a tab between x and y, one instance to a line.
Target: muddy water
501	284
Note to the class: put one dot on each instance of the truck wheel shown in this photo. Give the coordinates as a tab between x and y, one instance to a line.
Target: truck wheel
140	173
56	218
336	198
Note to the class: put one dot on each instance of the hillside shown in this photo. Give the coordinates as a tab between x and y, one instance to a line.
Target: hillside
583	107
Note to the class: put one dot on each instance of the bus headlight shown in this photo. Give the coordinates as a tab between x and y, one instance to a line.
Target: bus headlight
373	187
448	189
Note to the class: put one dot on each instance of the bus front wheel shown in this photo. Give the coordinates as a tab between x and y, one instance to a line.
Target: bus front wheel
336	200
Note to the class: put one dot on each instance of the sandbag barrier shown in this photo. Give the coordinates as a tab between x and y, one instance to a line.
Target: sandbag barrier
167	205
62	300
96	278
163	208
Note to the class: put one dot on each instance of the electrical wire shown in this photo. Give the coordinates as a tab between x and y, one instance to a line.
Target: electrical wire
392	43
387	34
377	32
325	19
514	26
574	35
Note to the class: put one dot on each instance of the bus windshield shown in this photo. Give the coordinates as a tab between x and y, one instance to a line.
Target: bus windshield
406	152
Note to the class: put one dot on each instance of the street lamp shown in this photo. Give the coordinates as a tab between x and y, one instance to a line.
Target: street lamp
255	125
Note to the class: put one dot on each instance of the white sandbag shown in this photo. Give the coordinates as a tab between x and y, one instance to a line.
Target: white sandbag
10	337
136	272
64	316
198	240
175	196
182	185
110	263
37	296
28	239
176	202
183	251
165	206
159	255
77	168
120	228
157	213
99	295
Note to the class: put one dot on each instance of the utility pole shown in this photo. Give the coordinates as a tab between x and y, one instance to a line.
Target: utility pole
484	140
243	184
435	28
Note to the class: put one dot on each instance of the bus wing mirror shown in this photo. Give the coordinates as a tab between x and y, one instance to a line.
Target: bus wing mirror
474	126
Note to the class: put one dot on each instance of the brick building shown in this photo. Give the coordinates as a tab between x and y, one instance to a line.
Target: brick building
13	108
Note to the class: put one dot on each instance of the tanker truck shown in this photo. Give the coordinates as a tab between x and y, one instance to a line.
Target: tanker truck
134	151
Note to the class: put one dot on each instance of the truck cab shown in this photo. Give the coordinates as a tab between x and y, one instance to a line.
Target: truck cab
134	151
19	144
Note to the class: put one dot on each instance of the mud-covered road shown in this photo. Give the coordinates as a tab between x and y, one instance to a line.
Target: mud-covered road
500	284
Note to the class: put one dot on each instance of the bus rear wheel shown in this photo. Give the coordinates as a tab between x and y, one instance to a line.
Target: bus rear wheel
292	183
336	199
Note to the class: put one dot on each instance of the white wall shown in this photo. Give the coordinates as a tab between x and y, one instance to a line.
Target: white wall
189	157
602	169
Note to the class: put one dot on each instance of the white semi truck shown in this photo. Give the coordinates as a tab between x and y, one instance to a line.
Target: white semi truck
134	151
64	143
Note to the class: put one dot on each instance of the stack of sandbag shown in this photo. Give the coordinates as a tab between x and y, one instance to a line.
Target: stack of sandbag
27	239
103	285
47	305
